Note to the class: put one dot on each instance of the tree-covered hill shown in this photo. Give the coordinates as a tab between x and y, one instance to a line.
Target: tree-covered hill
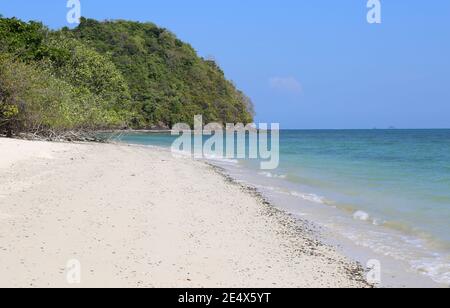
112	74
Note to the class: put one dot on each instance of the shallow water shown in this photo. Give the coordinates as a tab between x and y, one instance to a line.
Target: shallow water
385	190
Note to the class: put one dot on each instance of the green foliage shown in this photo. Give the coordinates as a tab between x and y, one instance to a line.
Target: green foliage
32	99
22	39
90	72
165	75
108	75
9	111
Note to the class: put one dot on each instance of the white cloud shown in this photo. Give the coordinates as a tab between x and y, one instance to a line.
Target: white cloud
286	84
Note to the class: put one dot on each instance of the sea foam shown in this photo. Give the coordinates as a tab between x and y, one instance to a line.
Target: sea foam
361	215
271	175
308	197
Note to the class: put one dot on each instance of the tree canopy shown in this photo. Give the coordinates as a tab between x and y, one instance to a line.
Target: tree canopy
111	74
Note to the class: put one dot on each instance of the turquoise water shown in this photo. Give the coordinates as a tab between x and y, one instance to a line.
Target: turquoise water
400	176
396	181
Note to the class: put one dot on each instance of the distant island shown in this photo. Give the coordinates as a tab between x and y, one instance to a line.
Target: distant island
108	75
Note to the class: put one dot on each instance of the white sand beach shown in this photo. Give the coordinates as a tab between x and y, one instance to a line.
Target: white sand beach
137	217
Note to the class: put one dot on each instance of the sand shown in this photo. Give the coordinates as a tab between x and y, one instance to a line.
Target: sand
138	217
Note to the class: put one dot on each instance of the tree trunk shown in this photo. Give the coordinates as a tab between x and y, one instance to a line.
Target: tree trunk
9	132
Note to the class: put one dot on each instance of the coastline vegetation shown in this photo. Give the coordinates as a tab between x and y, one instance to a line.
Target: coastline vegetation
107	75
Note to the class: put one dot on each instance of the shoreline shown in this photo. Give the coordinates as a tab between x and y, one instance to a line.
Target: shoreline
137	217
394	272
300	226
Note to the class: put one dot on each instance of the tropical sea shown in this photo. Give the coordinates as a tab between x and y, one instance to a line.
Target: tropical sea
378	194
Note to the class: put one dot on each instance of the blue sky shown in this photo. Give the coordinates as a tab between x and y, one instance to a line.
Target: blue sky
305	63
